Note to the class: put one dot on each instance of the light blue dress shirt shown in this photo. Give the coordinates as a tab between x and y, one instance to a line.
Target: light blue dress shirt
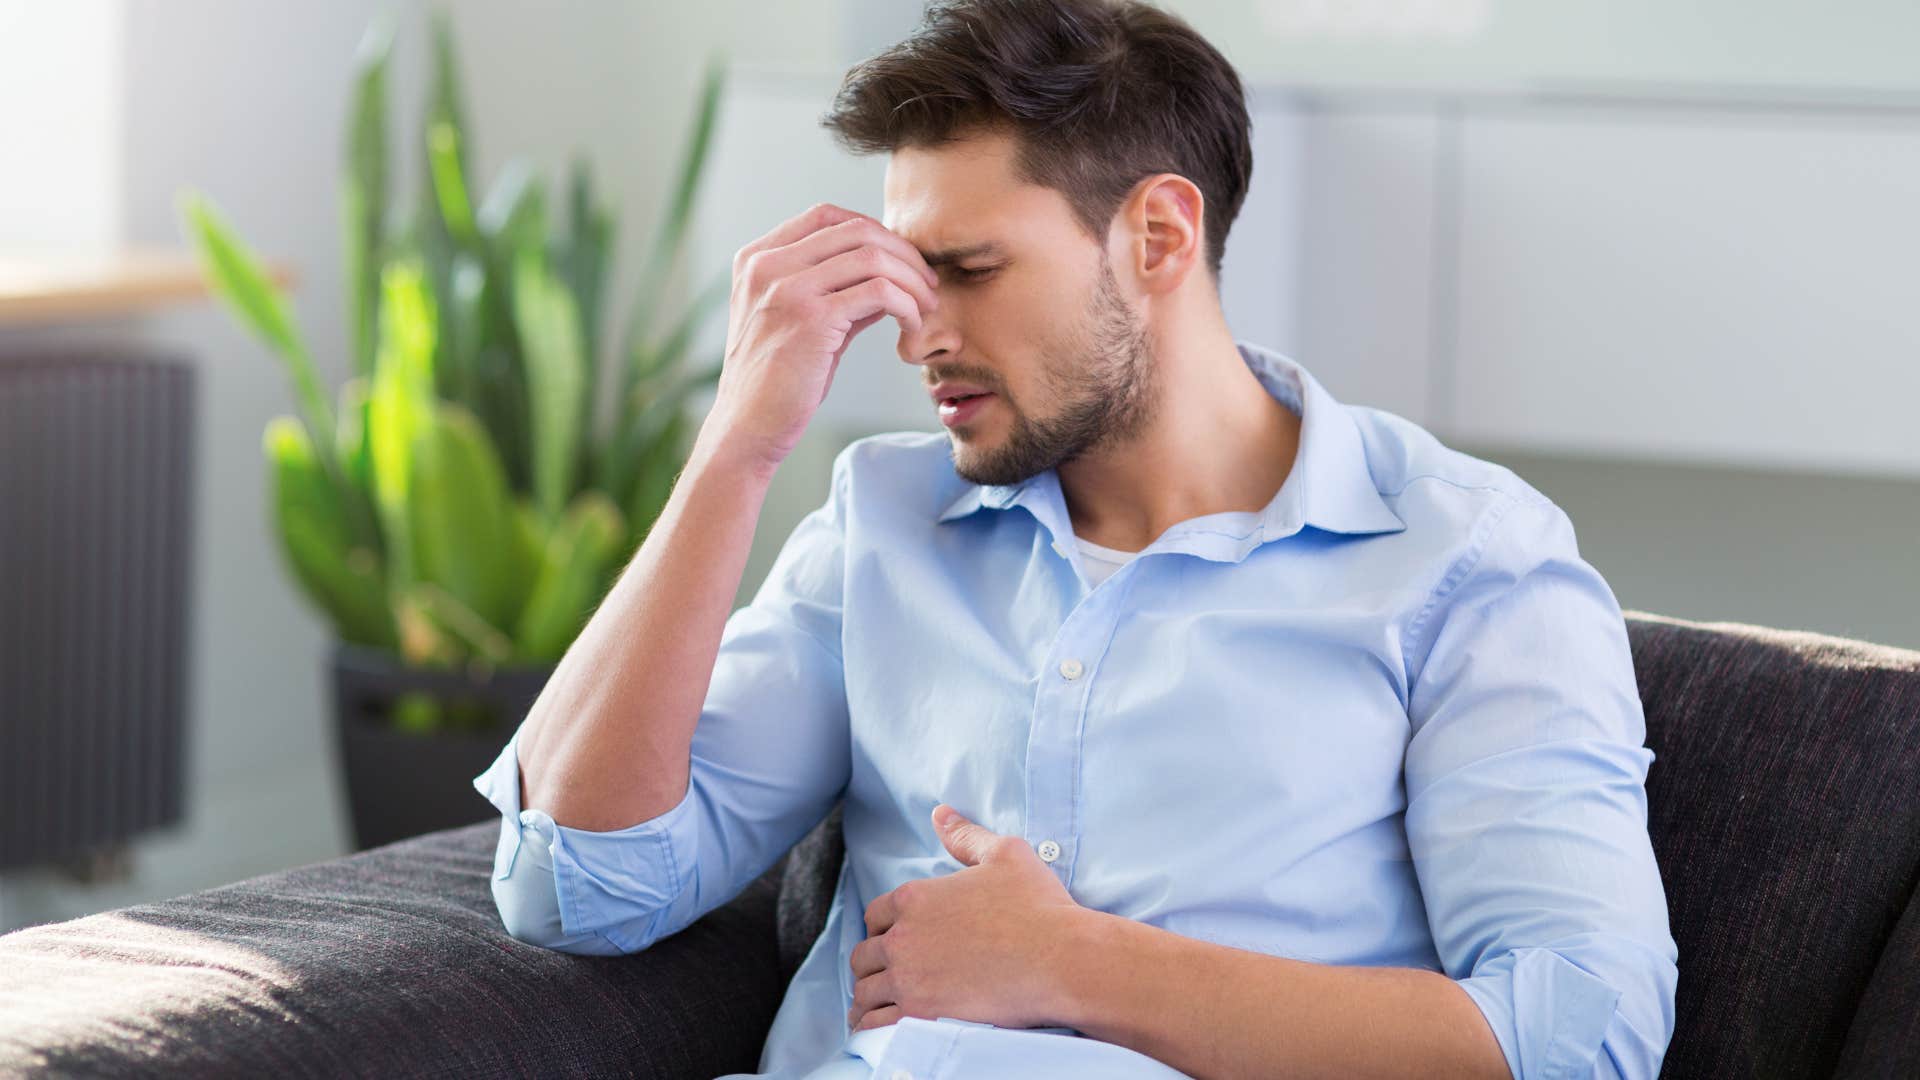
1389	719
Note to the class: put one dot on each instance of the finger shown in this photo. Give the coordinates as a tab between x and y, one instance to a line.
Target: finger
868	957
859	264
871	295
873	992
812	219
852	332
864	323
855	232
881	913
878	1018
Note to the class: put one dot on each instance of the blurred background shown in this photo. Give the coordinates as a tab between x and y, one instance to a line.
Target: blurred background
1657	258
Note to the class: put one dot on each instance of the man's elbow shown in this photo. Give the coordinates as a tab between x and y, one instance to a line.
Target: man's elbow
1554	1016
530	911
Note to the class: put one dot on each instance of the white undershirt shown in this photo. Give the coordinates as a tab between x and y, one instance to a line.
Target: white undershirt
1102	561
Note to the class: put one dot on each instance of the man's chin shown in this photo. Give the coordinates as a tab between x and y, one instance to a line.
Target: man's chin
981	468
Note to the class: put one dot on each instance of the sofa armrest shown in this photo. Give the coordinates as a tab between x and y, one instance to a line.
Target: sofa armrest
389	962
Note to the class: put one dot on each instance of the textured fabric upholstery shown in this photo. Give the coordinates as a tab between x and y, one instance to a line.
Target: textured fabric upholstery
390	962
1885	1037
1785	813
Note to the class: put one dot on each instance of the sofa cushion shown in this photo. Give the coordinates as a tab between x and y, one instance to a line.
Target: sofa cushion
1783	808
389	962
808	877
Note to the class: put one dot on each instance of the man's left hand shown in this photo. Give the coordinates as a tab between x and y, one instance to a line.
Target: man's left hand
978	944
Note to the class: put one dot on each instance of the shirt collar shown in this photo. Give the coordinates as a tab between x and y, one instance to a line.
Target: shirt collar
1330	486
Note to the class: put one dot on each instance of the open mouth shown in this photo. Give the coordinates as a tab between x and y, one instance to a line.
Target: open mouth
956	410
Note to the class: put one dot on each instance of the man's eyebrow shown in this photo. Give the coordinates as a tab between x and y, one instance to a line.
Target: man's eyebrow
950	256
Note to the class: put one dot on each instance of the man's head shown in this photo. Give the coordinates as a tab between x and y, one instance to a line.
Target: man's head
1070	168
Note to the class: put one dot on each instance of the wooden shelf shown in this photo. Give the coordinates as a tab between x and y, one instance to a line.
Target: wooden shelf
59	289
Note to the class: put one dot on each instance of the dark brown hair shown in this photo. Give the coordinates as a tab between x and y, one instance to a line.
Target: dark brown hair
1099	95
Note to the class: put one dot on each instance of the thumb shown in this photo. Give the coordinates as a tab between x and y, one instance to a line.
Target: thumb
964	839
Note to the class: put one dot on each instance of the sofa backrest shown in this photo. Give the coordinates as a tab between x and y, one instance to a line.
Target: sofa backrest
1784	810
1784	806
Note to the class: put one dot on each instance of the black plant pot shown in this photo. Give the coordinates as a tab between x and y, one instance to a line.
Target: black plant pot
402	783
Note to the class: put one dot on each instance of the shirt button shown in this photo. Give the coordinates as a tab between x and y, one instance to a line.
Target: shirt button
901	1074
1071	668
1057	549
1049	851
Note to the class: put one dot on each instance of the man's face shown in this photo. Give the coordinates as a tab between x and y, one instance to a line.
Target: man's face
1029	311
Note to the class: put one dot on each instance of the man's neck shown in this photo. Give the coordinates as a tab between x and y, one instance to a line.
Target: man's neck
1218	441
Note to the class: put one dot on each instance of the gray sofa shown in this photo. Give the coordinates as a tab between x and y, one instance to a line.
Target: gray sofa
1785	799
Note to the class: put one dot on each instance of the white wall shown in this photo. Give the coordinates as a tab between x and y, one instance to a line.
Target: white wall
60	126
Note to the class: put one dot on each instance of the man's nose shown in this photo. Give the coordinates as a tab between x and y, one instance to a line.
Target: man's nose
937	336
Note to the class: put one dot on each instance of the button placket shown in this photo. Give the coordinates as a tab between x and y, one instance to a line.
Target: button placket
1053	747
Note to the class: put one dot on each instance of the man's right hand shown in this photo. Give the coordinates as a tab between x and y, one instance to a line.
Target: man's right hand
800	294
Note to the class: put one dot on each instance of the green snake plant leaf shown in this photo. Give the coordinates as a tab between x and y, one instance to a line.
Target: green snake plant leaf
573	572
462	330
549	328
356	456
444	113
514	217
363	194
458	623
651	413
678	213
530	536
465	538
400	405
664	359
423	641
341	579
661	461
239	279
444	130
583	257
450	182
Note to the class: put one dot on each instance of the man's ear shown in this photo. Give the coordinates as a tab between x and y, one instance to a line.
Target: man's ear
1165	219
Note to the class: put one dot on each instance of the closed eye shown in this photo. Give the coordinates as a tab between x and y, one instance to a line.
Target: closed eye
977	273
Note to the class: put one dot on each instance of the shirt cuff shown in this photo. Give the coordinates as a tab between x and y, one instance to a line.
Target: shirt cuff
500	785
1549	1015
613	882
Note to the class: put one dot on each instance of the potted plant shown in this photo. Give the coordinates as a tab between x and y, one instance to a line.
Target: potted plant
459	506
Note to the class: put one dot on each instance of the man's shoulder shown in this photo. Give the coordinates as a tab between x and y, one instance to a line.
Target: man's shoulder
1418	474
900	470
901	445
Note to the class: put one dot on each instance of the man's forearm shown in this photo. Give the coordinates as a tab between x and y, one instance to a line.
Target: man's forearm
607	743
1211	1010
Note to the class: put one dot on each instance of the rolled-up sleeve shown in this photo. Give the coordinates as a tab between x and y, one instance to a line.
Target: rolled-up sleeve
770	754
577	890
1526	807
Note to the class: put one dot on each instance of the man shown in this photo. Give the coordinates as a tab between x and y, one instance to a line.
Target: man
1278	737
